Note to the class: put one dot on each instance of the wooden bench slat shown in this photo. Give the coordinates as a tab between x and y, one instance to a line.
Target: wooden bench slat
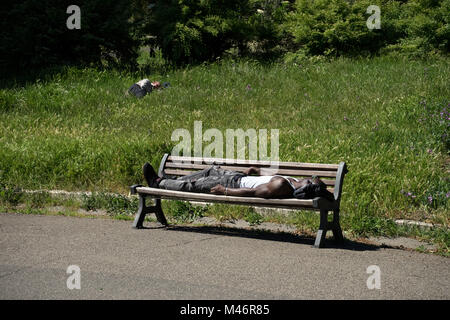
329	183
177	165
299	173
206	197
259	163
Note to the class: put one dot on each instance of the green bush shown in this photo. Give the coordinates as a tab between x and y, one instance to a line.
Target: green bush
192	31
338	27
35	34
178	32
152	60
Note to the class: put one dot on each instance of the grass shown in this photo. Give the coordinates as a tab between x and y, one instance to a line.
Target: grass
387	118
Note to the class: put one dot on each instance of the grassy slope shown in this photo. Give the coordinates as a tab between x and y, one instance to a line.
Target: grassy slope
79	131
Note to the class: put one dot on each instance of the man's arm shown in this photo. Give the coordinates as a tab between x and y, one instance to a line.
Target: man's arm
252	170
260	171
261	191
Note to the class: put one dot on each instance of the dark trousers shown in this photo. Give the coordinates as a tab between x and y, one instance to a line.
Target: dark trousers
204	180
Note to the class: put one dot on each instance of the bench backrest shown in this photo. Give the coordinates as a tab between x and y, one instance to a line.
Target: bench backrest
331	174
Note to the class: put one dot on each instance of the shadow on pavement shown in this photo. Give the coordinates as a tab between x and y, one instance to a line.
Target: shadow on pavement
275	236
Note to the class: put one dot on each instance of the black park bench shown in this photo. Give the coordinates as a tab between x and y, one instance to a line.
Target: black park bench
331	174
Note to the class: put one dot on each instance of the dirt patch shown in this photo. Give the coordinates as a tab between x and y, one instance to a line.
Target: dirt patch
268	226
56	209
403	242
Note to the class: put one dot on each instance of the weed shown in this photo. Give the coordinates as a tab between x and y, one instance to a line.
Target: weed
10	195
183	211
114	204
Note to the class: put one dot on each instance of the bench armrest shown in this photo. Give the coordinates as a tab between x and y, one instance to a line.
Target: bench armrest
133	188
342	170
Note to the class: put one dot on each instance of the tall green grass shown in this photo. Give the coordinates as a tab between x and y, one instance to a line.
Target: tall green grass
385	117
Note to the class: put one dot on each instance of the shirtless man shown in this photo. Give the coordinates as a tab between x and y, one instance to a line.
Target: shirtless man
230	183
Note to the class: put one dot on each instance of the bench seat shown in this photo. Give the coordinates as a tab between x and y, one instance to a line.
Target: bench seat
288	203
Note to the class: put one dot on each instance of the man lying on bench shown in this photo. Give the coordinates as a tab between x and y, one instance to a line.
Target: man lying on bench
233	183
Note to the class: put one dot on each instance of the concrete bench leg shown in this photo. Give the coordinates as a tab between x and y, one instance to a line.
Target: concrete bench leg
143	210
324	226
157	209
337	231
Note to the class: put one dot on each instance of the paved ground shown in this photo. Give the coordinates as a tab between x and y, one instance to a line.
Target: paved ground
118	262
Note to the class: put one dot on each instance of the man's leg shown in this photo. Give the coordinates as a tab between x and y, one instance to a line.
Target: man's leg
197	175
215	171
201	181
218	171
185	183
150	175
153	180
203	184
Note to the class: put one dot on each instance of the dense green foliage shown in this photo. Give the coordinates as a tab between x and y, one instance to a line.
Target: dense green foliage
194	31
337	27
34	34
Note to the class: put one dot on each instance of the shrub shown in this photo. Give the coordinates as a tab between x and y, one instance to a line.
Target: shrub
338	27
194	31
152	60
190	31
36	35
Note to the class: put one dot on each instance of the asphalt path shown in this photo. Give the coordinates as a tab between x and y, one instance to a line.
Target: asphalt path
116	261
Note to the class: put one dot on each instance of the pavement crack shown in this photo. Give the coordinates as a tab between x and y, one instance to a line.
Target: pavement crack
188	242
27	267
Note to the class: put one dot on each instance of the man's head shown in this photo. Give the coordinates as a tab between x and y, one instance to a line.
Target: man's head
156	85
315	188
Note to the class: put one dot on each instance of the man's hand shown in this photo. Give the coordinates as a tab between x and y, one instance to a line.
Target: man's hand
219	189
252	170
